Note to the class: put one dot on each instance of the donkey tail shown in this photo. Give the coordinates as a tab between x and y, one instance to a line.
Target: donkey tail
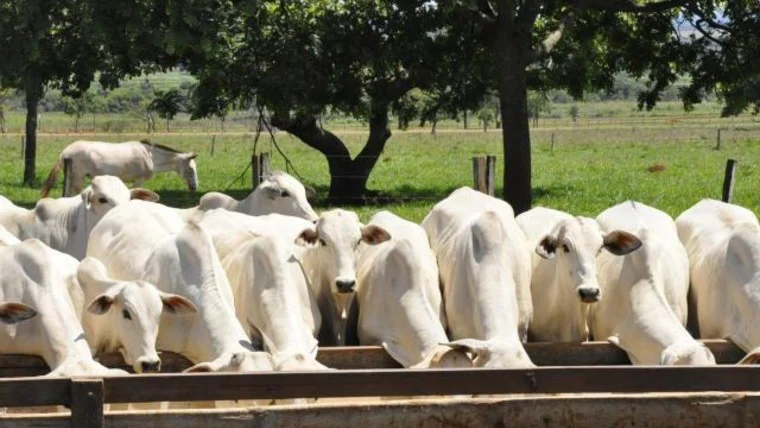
52	177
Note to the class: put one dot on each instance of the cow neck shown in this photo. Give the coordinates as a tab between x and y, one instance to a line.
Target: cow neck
70	344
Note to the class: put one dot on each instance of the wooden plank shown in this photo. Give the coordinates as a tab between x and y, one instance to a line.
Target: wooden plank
479	174
367	357
403	382
87	403
728	181
260	168
67	177
34	392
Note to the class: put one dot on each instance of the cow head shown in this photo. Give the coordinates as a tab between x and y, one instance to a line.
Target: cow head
133	311
105	192
574	244
281	193
240	361
492	354
338	234
188	170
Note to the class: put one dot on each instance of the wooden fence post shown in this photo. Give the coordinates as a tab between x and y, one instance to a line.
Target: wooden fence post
484	172
717	144
552	150
23	146
66	177
260	168
213	143
728	181
87	403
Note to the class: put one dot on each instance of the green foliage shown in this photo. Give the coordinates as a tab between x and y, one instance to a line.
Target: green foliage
574	112
167	104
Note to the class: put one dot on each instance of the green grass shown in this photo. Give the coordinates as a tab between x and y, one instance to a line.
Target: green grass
590	169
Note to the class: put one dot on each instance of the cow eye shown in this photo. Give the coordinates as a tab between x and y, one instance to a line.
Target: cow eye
103	200
565	248
285	194
126	315
322	242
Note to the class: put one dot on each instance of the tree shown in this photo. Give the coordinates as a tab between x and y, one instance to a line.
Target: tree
300	60
167	104
574	112
576	45
537	104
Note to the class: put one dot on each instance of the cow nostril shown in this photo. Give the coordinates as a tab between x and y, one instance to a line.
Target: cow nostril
588	295
345	285
150	366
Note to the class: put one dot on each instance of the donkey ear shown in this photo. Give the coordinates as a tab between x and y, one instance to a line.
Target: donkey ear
192	156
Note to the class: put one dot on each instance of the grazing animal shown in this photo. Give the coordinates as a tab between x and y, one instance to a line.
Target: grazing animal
132	161
484	263
150	242
723	244
124	315
64	224
331	267
32	276
278	193
273	299
563	283
399	298
645	292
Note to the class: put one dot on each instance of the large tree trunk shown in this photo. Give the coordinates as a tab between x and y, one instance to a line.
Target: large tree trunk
348	177
33	90
512	49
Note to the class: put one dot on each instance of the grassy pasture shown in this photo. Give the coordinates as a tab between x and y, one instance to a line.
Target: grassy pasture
590	168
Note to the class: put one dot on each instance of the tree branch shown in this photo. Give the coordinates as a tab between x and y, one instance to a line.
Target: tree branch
631	5
307	130
548	44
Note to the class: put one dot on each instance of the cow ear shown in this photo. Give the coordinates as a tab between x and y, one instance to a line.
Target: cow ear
374	235
310	192
87	197
307	238
621	243
200	368
472	346
177	305
547	248
12	313
143	195
101	304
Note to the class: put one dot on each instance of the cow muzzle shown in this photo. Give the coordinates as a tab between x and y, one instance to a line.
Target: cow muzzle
589	294
345	286
149	365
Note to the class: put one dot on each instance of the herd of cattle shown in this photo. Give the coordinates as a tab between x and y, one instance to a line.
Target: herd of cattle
258	284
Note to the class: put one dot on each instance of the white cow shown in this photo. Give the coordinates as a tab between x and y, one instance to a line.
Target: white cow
32	276
331	267
485	275
644	308
132	161
124	315
723	243
142	240
563	283
64	223
279	193
399	298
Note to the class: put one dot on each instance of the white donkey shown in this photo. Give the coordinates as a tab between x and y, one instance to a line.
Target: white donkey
132	161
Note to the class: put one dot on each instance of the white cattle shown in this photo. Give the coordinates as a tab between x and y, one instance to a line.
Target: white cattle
64	223
279	193
723	243
124	315
331	267
273	299
484	263
563	283
644	306
399	298
33	277
141	240
131	161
